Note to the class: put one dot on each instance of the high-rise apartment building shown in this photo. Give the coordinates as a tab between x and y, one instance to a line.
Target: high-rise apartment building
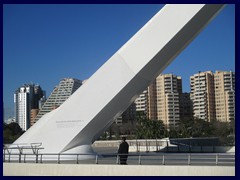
129	115
163	99
213	95
141	102
33	114
26	98
224	83
185	106
60	94
152	101
202	95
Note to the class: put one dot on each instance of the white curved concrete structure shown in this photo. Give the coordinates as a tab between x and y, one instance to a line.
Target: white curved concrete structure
79	121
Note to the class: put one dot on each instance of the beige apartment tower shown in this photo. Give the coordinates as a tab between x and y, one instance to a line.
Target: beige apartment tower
202	95
224	82
163	99
152	101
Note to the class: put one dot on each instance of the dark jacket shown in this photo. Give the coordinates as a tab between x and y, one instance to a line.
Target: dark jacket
123	148
123	151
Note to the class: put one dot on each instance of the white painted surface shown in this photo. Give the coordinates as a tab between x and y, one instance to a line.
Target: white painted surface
16	169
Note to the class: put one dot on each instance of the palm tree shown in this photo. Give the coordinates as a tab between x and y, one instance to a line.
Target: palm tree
150	129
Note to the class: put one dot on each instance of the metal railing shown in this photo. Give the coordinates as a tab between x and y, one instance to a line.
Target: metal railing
33	147
133	158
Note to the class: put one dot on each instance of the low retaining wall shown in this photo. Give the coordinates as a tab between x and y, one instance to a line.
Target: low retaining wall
20	169
160	145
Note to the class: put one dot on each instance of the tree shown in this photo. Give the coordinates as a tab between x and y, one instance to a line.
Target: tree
195	127
11	132
149	129
222	130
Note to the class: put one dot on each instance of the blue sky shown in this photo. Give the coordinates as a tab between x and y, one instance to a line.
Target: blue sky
45	43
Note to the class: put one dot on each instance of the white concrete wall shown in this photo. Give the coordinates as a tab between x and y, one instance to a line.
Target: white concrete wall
17	169
161	144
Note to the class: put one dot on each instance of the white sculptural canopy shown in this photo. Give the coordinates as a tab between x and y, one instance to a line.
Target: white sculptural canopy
81	119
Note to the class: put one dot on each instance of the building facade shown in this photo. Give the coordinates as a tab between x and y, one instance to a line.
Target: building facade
185	106
26	98
59	95
224	83
202	95
163	99
141	102
152	101
33	114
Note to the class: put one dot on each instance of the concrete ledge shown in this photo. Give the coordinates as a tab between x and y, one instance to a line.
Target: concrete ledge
150	145
29	169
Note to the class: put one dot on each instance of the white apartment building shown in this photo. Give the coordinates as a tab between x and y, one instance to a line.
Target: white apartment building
26	98
224	83
21	109
141	102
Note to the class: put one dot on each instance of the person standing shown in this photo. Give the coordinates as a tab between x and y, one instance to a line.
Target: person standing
123	151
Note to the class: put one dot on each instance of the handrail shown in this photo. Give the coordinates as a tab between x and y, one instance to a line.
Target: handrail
35	147
137	158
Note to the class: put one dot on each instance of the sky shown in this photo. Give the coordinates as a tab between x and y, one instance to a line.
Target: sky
44	43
